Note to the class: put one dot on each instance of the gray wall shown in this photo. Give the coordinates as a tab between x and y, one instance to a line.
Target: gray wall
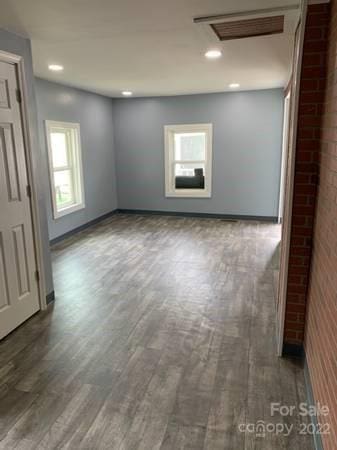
247	130
247	137
94	113
16	44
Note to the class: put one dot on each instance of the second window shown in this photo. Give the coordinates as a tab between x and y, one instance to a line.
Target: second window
188	160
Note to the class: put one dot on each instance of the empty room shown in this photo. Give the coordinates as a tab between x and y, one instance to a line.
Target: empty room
168	213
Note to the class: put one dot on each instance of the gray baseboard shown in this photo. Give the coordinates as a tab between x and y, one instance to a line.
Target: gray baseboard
293	351
271	219
82	227
50	297
161	213
318	444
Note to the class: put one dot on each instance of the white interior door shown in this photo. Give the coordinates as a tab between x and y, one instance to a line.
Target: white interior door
18	285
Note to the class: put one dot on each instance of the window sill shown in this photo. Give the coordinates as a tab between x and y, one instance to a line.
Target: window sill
189	193
68	210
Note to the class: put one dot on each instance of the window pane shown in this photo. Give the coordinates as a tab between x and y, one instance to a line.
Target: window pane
189	176
59	149
63	188
190	146
188	170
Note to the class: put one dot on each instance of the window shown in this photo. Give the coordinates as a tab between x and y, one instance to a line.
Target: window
188	160
66	180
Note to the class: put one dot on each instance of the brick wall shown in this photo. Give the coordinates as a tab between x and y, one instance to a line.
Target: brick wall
312	89
321	318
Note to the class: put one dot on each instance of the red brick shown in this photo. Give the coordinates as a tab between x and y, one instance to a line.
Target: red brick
313	72
296	308
311	59
311	99
314	34
309	120
306	132
310	85
315	46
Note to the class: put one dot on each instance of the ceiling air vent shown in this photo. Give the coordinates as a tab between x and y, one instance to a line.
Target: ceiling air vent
245	28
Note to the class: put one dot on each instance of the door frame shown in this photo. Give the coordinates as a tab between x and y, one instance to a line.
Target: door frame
289	179
285	146
18	61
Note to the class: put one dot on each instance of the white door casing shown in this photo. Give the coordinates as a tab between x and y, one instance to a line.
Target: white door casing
289	177
19	297
285	145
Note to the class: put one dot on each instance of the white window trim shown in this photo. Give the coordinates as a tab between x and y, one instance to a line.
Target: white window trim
80	204
170	190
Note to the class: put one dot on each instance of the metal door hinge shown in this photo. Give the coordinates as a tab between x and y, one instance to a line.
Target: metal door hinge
29	191
37	275
18	96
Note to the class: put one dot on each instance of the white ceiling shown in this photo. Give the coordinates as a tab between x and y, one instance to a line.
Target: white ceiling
151	47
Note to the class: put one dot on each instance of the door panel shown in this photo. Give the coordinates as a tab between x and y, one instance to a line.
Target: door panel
4	97
21	260
4	294
18	286
9	161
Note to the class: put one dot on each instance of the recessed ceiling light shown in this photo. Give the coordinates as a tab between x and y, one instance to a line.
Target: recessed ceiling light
234	85
55	67
213	54
126	93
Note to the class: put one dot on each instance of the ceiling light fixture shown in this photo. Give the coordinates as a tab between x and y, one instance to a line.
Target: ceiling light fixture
55	67
126	93
213	54
234	85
